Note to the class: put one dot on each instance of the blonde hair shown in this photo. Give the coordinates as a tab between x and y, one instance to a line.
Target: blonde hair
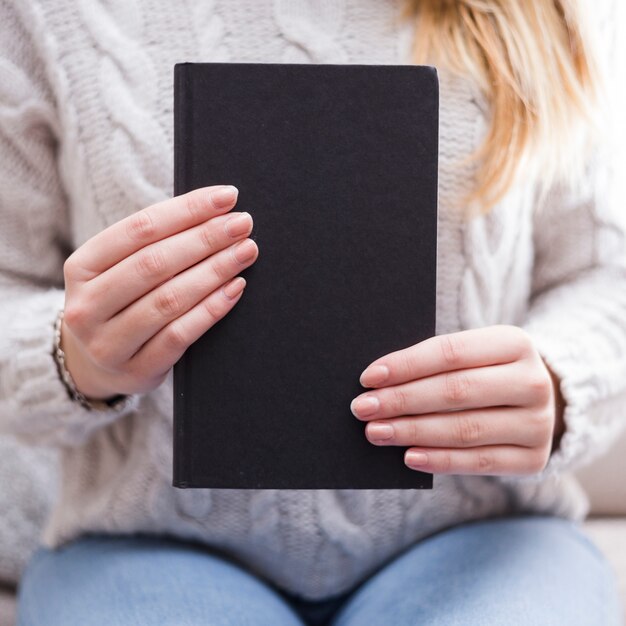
533	62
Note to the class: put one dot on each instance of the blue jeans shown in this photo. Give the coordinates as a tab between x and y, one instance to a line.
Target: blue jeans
529	570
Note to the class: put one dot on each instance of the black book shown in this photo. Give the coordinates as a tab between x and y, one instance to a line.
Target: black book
337	164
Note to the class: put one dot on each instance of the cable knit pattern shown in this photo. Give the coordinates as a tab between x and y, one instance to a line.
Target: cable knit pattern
86	139
313	30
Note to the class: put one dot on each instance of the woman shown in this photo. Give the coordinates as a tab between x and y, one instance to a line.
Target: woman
98	303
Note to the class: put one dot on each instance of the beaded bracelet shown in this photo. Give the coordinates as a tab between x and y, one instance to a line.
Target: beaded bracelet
68	381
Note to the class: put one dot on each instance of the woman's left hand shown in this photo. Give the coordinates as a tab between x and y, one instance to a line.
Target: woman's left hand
474	402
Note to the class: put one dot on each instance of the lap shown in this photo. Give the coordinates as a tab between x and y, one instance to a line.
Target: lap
517	570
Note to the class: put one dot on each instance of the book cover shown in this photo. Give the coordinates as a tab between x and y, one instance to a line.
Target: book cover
337	164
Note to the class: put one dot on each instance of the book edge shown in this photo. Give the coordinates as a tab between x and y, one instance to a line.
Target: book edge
181	476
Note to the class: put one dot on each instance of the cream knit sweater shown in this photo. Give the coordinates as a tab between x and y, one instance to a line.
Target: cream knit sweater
86	139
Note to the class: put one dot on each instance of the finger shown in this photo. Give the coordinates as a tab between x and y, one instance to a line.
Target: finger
464	429
149	225
161	352
469	348
495	385
484	460
144	270
144	318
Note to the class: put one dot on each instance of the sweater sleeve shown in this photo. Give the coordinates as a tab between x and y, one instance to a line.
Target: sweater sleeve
34	242
577	316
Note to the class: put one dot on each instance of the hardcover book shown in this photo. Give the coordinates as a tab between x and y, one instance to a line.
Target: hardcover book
337	164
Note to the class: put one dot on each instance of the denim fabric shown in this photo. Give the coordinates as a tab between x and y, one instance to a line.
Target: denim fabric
529	570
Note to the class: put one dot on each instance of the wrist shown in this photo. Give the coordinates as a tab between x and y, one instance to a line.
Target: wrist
96	401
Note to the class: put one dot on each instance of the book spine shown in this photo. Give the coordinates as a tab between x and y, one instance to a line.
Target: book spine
436	91
182	172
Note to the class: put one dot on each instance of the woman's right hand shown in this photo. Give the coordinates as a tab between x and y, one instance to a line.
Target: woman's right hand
140	292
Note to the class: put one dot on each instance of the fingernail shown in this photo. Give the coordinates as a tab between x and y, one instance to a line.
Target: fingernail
380	431
245	250
234	287
238	224
374	375
224	196
365	405
415	458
